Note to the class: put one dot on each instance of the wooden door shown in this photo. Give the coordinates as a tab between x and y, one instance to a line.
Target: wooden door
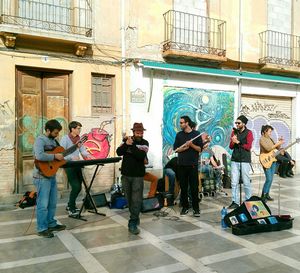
40	96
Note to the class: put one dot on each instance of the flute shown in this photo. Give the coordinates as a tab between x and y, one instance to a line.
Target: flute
185	143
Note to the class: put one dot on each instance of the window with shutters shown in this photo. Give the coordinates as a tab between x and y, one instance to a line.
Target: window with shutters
102	90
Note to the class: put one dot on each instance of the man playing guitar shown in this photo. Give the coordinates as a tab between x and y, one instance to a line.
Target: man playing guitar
46	187
74	174
267	144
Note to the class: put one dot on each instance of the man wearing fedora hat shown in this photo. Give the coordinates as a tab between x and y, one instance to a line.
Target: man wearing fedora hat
134	151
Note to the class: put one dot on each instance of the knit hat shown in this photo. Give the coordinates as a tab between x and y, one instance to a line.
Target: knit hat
243	119
138	127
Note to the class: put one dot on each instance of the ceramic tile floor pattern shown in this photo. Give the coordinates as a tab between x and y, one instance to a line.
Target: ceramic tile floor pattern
165	244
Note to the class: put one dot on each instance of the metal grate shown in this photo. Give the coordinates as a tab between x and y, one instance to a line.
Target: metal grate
279	48
189	32
67	16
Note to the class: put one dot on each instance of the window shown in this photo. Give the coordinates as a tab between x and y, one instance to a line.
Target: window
102	89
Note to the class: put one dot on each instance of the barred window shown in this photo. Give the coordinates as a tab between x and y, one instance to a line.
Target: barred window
102	89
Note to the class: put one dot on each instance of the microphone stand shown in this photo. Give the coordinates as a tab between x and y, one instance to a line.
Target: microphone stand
240	165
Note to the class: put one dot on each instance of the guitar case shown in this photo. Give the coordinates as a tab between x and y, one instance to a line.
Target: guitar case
245	220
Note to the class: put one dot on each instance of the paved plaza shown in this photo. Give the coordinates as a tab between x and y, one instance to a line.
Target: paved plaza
167	243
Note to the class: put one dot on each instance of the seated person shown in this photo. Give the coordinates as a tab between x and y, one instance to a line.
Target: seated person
152	179
210	167
170	170
286	164
153	186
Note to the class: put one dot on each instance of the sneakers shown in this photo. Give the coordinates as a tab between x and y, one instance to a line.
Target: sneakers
57	228
269	198
68	208
196	213
184	211
233	205
73	212
134	230
46	233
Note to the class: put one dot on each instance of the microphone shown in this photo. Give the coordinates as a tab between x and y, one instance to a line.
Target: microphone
235	131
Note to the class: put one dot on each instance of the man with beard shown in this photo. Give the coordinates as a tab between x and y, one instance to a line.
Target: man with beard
134	151
188	156
46	187
240	143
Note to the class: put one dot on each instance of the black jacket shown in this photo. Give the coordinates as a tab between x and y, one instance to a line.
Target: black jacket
133	158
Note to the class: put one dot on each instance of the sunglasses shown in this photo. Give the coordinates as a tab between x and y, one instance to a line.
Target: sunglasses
237	122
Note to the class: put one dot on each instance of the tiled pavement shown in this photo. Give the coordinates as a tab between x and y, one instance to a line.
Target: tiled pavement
165	244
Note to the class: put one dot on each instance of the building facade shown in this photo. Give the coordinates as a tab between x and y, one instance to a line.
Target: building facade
108	64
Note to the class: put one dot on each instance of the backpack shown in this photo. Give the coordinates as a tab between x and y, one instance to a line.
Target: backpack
28	200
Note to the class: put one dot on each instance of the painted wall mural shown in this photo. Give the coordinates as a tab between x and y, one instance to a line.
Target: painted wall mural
31	127
212	110
260	114
98	143
7	125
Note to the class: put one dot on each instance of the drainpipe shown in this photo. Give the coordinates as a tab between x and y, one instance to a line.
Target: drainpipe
239	81
123	52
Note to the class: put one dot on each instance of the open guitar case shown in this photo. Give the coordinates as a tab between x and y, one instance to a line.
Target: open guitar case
254	216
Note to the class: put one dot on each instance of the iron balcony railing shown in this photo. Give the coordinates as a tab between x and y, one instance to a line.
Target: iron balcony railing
67	16
279	48
194	33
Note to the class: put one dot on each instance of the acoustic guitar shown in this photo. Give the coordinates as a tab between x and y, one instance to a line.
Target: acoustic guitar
49	168
267	159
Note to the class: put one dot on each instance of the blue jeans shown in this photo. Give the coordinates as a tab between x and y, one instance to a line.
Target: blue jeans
171	175
235	178
46	202
269	173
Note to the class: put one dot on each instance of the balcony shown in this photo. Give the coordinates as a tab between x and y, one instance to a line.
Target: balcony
57	19
192	36
279	52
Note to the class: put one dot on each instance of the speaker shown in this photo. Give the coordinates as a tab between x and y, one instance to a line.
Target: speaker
150	204
99	200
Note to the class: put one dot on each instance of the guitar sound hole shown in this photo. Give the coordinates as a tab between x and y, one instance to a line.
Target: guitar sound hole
51	167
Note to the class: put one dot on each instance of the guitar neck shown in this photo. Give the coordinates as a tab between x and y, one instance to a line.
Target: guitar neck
70	150
290	145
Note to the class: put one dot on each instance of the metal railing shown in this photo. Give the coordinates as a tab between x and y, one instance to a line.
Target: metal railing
279	48
194	33
67	16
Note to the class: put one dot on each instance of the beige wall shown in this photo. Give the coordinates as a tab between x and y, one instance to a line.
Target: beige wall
80	104
254	20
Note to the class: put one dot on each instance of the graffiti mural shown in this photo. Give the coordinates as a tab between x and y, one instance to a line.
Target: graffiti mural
7	125
31	127
98	143
266	113
212	110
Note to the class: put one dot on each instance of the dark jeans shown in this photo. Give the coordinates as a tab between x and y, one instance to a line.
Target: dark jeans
75	179
133	188
188	177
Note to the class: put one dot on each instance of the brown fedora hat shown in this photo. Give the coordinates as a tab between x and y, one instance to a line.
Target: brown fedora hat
138	127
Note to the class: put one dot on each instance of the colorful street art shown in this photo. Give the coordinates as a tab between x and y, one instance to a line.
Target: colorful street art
31	127
212	110
98	143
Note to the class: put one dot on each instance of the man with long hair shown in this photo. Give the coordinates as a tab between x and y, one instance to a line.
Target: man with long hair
188	156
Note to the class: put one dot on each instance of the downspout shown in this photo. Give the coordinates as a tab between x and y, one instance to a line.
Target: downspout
239	81
123	52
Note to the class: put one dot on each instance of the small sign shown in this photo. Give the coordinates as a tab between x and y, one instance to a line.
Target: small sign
138	96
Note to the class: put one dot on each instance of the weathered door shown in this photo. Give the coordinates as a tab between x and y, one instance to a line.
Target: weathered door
40	96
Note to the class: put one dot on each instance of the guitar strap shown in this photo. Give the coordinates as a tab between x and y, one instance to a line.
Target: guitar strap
57	143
